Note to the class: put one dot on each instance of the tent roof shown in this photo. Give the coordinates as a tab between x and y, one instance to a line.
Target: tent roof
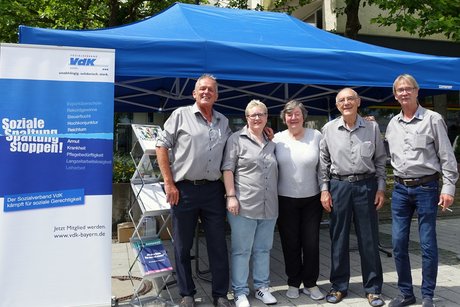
253	54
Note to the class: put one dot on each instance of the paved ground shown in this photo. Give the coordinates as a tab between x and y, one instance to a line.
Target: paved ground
447	292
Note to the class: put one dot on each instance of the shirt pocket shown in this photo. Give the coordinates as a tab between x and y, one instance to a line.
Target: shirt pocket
421	141
367	149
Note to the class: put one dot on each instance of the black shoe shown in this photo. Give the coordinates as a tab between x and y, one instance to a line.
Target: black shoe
187	301
222	302
428	302
401	301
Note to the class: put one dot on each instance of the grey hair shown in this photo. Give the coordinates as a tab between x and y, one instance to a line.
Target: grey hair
406	77
346	89
291	105
206	76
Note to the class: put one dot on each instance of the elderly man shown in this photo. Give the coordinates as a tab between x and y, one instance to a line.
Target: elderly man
352	179
420	150
197	135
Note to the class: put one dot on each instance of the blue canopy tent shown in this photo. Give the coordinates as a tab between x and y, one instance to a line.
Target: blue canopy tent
269	56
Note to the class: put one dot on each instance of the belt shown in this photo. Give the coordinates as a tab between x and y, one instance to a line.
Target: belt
353	178
413	182
198	182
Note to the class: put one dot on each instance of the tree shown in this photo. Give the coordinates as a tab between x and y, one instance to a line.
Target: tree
422	17
353	25
74	14
70	14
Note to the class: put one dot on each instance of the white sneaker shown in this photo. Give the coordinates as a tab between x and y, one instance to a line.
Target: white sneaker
292	292
265	296
314	292
242	301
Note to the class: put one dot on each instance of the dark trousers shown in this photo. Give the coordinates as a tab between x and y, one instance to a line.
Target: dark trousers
355	201
207	203
298	225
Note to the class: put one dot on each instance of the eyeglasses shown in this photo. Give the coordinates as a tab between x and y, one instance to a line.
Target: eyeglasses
255	115
349	98
405	89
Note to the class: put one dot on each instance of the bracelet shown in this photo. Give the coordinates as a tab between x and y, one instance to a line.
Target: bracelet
229	196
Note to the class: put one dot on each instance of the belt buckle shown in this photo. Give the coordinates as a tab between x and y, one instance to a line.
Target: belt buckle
199	182
409	182
352	178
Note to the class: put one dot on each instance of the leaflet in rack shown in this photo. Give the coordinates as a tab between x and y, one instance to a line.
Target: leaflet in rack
152	256
147	170
147	136
151	198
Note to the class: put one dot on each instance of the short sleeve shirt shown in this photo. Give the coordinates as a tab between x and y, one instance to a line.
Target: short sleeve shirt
196	146
255	173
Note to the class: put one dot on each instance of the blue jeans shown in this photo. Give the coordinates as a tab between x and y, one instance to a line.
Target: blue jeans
424	200
250	237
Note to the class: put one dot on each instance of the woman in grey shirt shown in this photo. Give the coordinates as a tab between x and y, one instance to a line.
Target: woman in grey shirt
250	177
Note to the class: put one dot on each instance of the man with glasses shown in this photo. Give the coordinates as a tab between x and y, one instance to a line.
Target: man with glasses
420	151
352	181
197	135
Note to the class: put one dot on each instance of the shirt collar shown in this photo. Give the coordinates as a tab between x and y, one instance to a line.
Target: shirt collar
245	132
419	113
215	115
359	122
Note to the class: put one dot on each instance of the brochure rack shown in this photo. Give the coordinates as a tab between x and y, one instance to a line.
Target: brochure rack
149	203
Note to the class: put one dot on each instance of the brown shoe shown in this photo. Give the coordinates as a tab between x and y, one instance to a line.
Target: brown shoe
335	296
375	300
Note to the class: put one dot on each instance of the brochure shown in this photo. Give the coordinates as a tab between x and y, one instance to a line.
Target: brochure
147	136
153	258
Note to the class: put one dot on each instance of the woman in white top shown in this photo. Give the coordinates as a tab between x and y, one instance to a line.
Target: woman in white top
300	210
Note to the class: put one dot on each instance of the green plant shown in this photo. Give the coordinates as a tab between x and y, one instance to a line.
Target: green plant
123	168
456	146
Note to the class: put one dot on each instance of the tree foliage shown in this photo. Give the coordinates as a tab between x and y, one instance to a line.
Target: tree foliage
421	17
93	14
288	6
74	14
285	6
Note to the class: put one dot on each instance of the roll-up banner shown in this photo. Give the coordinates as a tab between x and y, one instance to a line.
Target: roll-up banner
56	113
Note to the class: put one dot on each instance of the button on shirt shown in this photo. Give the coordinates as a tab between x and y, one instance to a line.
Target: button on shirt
255	173
421	147
356	151
196	146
